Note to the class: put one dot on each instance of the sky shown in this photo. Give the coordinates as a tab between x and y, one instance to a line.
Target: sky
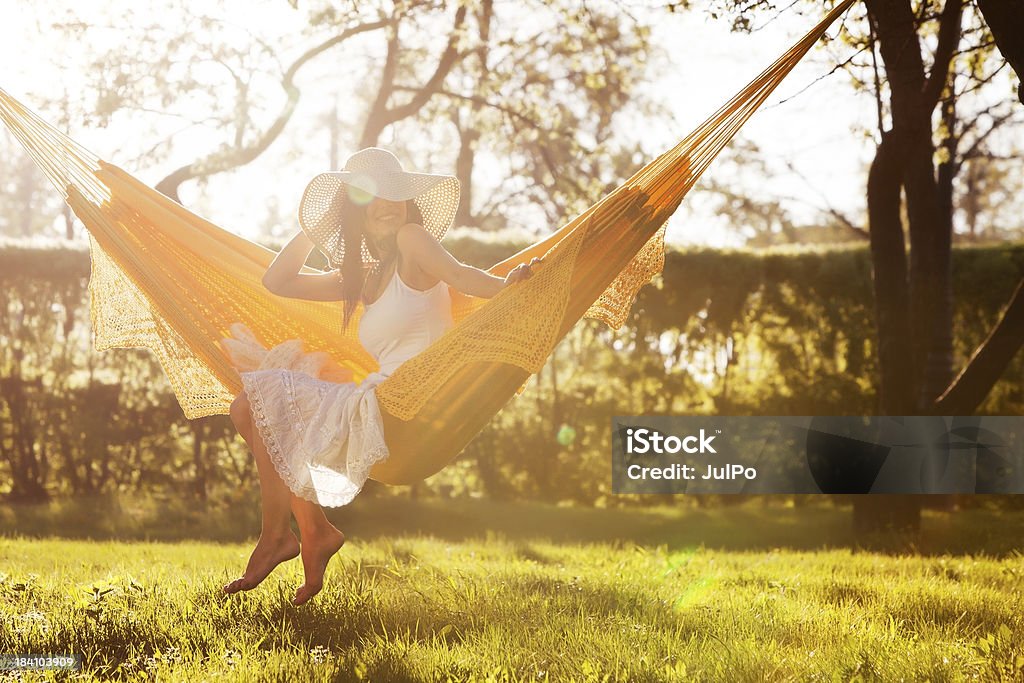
811	130
810	122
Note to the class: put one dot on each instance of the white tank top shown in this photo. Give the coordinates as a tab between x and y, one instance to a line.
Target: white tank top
404	321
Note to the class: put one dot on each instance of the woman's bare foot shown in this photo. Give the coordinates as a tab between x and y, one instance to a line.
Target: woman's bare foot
268	553
317	550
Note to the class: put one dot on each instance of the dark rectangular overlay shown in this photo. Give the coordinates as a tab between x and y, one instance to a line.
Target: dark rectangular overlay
714	454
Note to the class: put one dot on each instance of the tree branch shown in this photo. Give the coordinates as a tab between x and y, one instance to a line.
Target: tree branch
232	157
949	36
381	116
988	362
379	108
1006	21
974	150
444	65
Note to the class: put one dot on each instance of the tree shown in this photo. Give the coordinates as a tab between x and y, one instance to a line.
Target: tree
542	104
992	356
905	159
28	205
909	197
202	57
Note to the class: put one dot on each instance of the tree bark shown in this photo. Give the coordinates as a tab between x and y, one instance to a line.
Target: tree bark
888	257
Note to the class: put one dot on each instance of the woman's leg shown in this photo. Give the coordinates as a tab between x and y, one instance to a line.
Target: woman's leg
320	541
277	542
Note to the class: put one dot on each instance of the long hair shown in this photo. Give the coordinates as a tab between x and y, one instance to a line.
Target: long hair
353	276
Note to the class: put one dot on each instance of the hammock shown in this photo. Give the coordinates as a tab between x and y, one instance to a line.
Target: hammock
165	279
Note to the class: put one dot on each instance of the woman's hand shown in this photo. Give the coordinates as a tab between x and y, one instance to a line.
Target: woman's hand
422	248
522	272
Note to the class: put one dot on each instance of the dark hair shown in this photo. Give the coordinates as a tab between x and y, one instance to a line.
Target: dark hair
353	276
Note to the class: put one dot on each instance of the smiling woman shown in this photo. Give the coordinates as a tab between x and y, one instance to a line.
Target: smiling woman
377	222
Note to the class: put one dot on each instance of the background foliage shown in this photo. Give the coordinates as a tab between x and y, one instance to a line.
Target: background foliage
776	332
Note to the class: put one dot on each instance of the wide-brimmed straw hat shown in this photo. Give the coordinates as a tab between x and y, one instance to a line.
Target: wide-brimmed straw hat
373	172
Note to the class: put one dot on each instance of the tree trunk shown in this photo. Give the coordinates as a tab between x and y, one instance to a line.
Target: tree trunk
888	256
464	163
469	133
334	127
200	483
908	149
381	115
939	369
27	467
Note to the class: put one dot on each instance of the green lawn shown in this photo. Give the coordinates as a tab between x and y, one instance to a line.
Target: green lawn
492	592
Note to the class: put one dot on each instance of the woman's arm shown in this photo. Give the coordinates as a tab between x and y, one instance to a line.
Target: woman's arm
427	252
284	279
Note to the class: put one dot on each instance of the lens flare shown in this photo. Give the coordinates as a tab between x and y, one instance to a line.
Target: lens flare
566	435
362	195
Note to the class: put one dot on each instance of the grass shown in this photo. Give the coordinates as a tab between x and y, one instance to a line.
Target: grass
484	591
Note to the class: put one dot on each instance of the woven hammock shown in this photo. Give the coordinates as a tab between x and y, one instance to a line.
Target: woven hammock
165	279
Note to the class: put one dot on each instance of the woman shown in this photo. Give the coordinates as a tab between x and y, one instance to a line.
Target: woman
314	440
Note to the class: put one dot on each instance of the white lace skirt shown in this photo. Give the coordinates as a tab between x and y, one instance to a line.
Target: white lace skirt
323	435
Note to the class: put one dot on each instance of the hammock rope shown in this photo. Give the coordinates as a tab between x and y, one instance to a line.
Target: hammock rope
168	280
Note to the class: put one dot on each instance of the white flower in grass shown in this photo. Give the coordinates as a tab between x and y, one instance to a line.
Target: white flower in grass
320	654
32	619
231	657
